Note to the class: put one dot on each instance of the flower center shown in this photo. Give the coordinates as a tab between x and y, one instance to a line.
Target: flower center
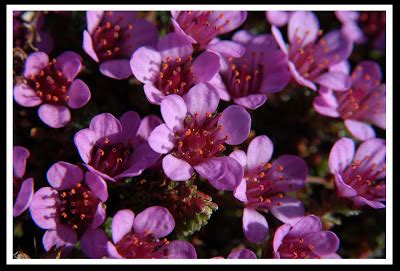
78	207
372	23
176	77
244	77
50	84
263	191
295	248
134	246
201	26
109	37
366	178
199	140
111	159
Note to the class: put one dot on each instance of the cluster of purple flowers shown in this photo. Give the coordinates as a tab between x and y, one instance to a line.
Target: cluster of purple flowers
187	73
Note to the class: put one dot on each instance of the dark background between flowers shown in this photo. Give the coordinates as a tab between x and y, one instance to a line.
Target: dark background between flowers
288	118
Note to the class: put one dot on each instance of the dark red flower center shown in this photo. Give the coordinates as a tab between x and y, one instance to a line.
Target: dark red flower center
201	27
50	84
176	77
111	159
135	246
244	76
295	248
373	23
199	140
78	207
109	37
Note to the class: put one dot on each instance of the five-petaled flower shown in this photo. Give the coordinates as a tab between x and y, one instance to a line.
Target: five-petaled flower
116	149
305	240
309	60
138	237
171	68
72	207
264	185
53	85
363	103
194	136
261	70
111	38
360	175
22	188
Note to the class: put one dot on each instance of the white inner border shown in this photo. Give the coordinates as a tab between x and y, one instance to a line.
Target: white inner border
389	131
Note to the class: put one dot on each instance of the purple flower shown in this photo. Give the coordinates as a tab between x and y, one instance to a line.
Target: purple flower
363	103
201	27
278	18
360	27
171	68
261	70
240	254
305	240
116	149
53	85
22	188
309	59
360	175
111	38
193	136
71	207
264	185
138	237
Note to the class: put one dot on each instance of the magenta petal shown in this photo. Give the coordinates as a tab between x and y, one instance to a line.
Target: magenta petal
290	211
201	99
145	64
280	234
361	201
276	72
177	169
341	155
63	175
209	60
300	79
259	152
334	80
308	224
378	119
156	220
242	254
343	189
70	64
55	116
324	108
94	243
35	63
220	87
121	224
343	66
303	25
20	155
324	242
279	39
180	31
147	125
340	47
175	46
105	124
375	148
153	94
173	111
179	249
161	139
255	226
360	130
117	68
99	216
242	36
62	236
24	95
236	123
24	197
239	156
252	101
235	19
112	251
130	122
97	185
227	48
79	94
366	69
93	18
44	206
291	176
88	46
278	18
240	191
84	141
331	256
